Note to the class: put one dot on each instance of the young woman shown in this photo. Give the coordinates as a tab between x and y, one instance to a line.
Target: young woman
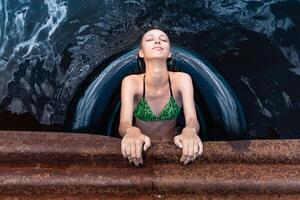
155	98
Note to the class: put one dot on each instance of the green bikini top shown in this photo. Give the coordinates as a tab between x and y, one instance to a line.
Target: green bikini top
143	112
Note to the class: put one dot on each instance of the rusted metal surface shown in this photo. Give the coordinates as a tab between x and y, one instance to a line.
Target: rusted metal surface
48	165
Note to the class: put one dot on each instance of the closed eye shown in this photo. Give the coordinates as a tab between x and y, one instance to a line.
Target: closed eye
152	40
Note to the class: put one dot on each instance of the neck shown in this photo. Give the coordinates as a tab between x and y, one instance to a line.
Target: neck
156	73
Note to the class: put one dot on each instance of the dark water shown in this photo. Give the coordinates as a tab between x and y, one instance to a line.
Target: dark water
48	48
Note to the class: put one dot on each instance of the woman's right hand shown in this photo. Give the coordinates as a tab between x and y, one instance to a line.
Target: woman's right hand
132	144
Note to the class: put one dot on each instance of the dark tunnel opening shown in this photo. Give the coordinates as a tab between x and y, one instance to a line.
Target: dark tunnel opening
95	107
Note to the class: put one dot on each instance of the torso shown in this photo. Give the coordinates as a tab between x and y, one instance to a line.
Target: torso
163	130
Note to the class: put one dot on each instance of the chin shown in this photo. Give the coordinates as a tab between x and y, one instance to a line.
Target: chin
158	57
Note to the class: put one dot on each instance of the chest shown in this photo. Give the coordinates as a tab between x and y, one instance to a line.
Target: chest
157	100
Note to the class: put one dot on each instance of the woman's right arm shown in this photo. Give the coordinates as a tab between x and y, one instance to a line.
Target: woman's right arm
126	113
132	138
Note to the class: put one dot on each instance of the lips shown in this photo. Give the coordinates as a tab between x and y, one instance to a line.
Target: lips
158	48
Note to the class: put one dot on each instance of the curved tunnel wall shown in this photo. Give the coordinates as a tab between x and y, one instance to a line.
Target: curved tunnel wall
218	108
48	48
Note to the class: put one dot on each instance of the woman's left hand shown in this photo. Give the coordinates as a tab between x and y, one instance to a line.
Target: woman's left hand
190	143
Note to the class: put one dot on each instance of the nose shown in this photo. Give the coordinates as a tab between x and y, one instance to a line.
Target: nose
157	41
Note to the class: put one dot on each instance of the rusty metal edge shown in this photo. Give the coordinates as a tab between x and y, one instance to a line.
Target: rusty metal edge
43	163
52	147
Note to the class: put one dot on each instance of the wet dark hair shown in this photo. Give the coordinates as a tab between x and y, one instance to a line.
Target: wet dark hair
141	62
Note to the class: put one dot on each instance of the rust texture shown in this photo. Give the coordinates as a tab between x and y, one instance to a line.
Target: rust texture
49	165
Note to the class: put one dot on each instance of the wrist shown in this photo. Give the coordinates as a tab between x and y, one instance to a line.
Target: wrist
132	128
190	129
128	129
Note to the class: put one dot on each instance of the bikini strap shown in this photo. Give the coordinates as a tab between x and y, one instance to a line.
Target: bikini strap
144	86
170	85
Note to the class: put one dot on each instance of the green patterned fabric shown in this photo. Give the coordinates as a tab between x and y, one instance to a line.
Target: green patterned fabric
143	112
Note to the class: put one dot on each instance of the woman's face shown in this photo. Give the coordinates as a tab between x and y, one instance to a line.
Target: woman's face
155	44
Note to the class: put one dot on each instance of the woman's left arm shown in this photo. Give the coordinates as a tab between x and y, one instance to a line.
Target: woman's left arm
188	140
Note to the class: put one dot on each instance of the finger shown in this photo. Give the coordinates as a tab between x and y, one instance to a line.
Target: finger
200	148
196	151
139	152
185	152
190	152
177	141
128	152
123	151
147	143
133	153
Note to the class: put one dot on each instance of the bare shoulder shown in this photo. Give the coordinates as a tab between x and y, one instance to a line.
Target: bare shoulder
181	77
132	83
132	79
